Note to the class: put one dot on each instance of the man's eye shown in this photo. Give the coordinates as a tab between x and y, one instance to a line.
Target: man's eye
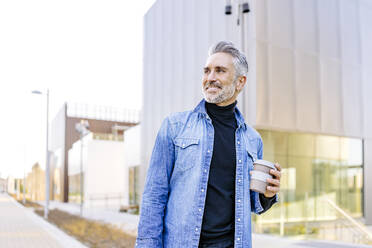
219	70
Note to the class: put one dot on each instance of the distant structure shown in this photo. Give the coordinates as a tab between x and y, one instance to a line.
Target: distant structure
102	120
2	185
35	183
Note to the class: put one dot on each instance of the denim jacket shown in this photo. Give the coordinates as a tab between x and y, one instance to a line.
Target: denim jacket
173	200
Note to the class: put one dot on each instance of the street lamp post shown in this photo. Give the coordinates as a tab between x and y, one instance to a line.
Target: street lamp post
46	207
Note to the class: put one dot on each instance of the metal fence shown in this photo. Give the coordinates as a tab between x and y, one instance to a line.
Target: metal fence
98	112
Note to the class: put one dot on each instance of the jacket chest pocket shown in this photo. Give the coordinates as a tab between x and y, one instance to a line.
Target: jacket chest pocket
187	152
251	158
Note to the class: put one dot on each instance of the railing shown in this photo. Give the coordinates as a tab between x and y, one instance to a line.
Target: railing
110	201
347	227
315	217
103	113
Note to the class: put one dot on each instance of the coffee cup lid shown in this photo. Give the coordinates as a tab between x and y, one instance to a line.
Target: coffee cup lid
266	163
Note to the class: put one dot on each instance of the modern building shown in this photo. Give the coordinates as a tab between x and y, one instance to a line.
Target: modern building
102	120
3	185
11	185
132	153
97	160
307	93
35	183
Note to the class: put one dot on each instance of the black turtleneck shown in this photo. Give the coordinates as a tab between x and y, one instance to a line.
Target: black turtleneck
219	211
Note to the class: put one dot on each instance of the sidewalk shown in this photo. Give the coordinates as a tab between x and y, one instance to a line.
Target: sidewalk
21	227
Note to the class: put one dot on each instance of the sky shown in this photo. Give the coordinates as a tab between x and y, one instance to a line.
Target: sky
82	51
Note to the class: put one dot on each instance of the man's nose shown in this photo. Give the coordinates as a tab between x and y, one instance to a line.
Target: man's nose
211	76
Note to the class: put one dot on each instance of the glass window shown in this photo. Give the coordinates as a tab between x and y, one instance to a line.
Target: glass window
316	169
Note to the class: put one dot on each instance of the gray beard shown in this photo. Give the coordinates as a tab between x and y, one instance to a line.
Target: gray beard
226	93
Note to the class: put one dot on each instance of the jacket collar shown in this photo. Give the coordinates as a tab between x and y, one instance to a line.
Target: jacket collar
200	109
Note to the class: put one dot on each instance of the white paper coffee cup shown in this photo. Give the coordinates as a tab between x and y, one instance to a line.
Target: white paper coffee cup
260	174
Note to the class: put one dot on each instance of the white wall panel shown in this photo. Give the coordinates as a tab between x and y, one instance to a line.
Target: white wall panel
261	20
250	49
190	76
350	43
365	20
307	92
305	25
331	105
366	45
167	65
202	38
282	103
263	89
217	21
174	90
352	101
280	22
328	25
158	89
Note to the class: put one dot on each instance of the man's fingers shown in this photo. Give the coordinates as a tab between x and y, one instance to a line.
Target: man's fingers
276	173
273	189
277	165
274	182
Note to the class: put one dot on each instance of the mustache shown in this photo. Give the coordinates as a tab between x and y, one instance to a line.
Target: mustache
213	84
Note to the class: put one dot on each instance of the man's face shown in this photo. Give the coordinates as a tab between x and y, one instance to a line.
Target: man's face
219	81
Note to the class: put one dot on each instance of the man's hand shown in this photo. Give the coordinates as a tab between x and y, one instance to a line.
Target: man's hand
274	184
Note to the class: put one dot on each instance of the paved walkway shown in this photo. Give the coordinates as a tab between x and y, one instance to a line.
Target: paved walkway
21	227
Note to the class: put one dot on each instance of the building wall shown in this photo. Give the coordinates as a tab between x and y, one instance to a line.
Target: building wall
132	158
132	146
63	134
35	184
308	66
3	185
11	185
313	70
105	174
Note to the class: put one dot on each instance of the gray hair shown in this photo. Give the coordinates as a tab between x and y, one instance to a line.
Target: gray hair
239	59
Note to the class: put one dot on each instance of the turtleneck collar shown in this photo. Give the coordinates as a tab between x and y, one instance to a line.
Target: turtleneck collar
215	110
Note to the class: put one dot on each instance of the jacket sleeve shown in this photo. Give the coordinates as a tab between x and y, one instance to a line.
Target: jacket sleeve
155	195
259	203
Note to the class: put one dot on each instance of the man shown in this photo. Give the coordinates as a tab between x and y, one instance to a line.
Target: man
197	188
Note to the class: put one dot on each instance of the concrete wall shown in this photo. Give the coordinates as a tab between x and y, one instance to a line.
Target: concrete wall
10	185
132	146
105	174
314	70
365	17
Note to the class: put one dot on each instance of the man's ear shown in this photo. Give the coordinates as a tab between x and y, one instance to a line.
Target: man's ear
241	82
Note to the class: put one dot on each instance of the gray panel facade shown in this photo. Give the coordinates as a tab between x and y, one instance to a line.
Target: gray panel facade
309	66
